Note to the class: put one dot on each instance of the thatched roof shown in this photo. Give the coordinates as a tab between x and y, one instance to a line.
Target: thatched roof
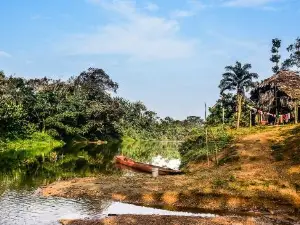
285	81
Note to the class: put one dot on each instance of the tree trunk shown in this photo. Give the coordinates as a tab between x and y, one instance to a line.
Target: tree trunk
239	113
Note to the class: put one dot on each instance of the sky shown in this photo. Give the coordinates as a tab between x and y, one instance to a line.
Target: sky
169	54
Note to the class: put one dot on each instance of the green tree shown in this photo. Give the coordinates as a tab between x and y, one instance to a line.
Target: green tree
238	78
226	102
294	58
82	106
12	111
276	44
193	121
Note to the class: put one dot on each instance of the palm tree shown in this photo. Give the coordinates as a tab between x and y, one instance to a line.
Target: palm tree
238	78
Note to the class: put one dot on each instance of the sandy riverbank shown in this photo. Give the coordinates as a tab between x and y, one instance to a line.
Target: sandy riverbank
158	220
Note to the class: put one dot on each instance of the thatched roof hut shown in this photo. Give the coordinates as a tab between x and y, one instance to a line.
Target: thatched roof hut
279	93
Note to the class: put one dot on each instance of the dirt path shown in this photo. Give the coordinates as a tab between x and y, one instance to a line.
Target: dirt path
255	157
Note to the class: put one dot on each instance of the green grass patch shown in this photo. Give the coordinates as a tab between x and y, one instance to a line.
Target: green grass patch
36	144
197	147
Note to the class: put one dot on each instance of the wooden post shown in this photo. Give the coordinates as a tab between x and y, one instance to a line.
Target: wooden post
216	154
205	110
207	150
250	118
223	114
206	137
296	111
155	172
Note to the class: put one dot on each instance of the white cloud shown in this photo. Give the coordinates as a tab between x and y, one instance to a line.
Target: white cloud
152	7
137	35
248	3
182	13
197	5
194	6
4	54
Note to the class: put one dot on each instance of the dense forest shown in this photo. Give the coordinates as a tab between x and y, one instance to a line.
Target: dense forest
84	106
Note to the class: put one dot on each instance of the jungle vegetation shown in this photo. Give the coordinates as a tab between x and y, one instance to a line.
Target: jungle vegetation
84	106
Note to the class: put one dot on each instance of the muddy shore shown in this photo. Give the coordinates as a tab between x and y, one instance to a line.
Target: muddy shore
172	193
174	220
166	193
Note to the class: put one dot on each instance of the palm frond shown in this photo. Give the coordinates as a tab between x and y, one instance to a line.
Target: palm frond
238	78
247	66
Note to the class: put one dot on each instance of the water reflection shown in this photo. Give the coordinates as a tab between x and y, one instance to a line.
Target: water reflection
26	208
23	171
19	170
23	207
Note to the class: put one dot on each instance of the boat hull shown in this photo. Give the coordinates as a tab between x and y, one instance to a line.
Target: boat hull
145	167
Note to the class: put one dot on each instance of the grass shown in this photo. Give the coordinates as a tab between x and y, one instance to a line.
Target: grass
36	144
247	130
219	138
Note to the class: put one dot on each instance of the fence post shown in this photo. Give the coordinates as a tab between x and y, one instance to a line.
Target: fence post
296	112
250	118
155	172
207	149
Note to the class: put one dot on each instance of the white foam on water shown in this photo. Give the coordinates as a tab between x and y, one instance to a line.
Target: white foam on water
162	162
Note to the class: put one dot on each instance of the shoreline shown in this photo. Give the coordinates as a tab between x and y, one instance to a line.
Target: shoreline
164	192
252	183
158	220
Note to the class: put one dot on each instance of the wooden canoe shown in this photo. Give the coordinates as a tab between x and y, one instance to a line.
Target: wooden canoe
143	167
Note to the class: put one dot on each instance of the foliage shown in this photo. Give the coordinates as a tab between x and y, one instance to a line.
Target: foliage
294	58
75	159
19	152
238	78
226	102
146	151
196	147
275	54
139	123
80	107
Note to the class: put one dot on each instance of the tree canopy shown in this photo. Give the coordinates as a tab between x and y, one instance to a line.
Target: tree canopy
238	78
81	106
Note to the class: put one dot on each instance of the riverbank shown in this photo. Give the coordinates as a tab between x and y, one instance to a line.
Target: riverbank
158	220
251	179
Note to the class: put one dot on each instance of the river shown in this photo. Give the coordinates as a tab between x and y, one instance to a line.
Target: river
22	175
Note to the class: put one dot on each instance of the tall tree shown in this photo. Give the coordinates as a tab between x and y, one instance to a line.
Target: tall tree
228	101
238	78
276	44
294	58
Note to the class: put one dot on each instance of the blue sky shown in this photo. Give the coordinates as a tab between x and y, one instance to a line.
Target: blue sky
170	54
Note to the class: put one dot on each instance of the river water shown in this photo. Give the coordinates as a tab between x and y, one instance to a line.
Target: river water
21	176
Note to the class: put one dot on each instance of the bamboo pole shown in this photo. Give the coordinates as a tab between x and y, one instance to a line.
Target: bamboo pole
207	149
223	114
250	119
216	154
296	111
205	111
206	138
